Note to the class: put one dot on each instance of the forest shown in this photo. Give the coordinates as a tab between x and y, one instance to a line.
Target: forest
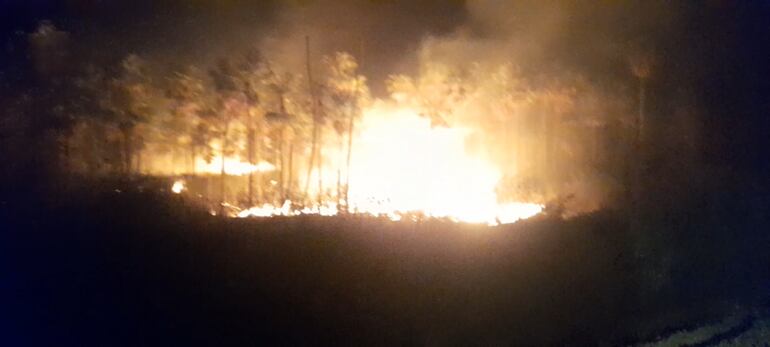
404	173
273	133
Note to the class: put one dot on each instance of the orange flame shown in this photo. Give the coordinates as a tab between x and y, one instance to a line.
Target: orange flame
401	165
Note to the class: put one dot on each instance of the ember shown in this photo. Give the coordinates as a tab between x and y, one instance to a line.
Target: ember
177	187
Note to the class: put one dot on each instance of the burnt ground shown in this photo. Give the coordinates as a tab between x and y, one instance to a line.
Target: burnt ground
98	267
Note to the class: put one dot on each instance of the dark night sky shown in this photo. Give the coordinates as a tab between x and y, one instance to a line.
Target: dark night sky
714	51
177	30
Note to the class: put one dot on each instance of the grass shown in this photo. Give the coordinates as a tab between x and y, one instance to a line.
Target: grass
98	267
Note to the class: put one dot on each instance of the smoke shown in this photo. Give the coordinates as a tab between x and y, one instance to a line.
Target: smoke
546	86
384	36
548	89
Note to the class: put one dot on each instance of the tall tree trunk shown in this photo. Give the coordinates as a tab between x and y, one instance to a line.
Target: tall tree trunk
510	127
543	148
596	138
314	114
549	151
92	157
518	142
222	173
138	166
192	158
250	145
351	124
340	151
65	160
312	158
258	159
639	164
282	171
127	151
640	122
339	188
289	185
320	166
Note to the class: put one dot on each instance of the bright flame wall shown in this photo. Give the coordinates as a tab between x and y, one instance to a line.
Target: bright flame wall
401	163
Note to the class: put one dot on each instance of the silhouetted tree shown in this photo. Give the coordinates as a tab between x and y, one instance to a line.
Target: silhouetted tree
346	93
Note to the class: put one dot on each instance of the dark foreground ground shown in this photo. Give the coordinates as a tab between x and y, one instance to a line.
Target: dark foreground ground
130	268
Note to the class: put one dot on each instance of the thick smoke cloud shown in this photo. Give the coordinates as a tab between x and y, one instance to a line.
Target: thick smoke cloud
593	37
582	52
702	73
383	35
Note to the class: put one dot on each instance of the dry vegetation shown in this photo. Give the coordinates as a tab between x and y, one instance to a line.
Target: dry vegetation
145	267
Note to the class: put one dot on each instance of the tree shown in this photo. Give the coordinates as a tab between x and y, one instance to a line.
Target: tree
53	91
49	48
299	106
224	106
435	93
346	92
641	67
131	101
252	77
187	92
279	120
318	120
89	134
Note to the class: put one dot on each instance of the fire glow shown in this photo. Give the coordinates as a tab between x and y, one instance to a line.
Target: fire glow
177	187
232	166
402	165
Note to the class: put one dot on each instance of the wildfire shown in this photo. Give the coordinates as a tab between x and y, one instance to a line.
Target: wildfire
402	165
503	214
233	166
